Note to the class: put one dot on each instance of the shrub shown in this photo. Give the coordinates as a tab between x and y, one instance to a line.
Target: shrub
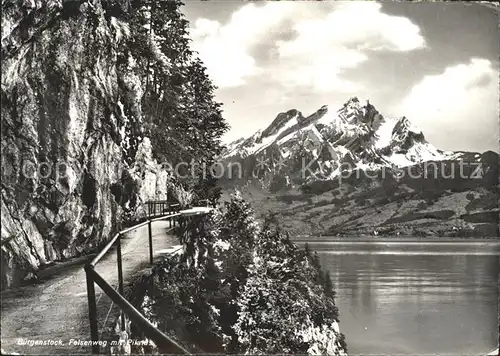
245	289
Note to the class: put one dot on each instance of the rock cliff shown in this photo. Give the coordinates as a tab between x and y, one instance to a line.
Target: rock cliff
75	162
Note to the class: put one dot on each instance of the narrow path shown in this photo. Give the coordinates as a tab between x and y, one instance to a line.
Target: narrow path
56	309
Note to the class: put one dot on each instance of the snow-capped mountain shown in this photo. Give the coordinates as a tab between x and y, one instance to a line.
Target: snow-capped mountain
325	143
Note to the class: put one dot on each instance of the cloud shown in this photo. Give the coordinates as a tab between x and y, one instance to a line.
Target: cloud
457	108
225	48
323	44
325	47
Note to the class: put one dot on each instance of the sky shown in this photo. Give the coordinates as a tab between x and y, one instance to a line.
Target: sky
435	63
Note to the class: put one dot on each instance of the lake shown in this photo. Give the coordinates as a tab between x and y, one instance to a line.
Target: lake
415	297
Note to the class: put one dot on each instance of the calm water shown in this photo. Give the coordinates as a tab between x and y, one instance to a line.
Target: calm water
409	297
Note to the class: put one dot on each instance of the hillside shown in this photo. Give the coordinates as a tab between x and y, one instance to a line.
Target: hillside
355	172
241	288
86	87
322	145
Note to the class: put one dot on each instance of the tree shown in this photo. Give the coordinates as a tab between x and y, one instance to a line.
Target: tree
252	291
328	285
307	250
184	121
281	305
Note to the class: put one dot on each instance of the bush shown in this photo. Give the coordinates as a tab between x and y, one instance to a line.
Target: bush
286	288
240	281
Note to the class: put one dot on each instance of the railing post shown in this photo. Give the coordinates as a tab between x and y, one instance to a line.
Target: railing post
180	223
120	274
94	336
150	242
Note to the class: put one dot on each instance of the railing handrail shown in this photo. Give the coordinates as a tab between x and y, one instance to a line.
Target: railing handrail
160	339
128	229
172	204
104	250
165	217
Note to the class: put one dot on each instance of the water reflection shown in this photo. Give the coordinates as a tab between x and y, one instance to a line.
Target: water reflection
422	298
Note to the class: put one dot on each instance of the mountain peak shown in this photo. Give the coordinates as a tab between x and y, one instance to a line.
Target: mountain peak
352	101
352	104
356	134
318	114
288	118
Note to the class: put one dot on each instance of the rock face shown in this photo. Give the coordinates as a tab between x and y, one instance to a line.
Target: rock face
75	163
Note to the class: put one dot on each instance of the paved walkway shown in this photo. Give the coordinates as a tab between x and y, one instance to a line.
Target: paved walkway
56	308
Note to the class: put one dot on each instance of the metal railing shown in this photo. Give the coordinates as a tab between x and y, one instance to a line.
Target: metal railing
159	207
157	210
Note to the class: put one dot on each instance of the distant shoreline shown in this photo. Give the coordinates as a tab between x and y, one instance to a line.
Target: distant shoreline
403	246
395	239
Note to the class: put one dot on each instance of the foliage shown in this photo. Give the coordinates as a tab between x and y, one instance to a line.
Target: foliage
183	120
178	303
178	194
240	288
286	293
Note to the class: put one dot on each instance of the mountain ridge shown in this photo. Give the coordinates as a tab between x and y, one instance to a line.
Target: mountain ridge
354	137
354	172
